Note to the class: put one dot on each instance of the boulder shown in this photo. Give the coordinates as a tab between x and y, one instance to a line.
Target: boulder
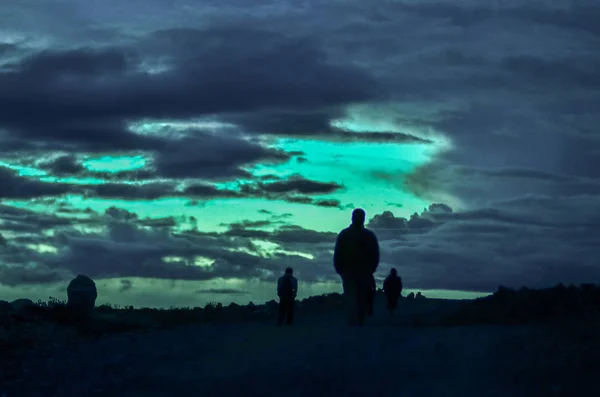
25	309
82	294
22	304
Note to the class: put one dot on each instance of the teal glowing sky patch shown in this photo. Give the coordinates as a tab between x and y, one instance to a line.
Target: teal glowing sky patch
371	176
115	163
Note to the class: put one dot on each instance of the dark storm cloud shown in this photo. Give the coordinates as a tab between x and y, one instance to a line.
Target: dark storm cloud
196	155
477	185
69	166
63	165
212	156
132	247
72	134
300	185
537	241
81	63
534	240
82	99
327	203
24	220
53	87
284	234
314	125
572	16
566	73
126	285
248	224
224	291
14	186
128	251
147	191
19	275
208	191
7	48
296	190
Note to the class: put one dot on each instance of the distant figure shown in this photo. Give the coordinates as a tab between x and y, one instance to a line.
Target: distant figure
287	289
410	296
392	287
371	296
355	259
419	295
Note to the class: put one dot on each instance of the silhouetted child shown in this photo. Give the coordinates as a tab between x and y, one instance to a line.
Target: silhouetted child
371	296
287	289
392	287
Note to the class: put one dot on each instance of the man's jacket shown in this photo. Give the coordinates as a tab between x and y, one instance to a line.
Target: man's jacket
392	285
294	281
356	252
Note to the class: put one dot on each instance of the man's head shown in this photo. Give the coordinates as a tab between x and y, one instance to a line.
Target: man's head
358	217
393	272
289	271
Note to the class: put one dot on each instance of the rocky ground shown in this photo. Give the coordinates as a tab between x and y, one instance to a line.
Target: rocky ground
415	354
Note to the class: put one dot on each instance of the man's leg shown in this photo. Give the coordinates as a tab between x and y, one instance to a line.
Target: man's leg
350	297
390	304
290	312
281	311
362	299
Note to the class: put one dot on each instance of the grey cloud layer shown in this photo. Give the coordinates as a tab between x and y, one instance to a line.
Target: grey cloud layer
140	248
297	58
536	241
296	189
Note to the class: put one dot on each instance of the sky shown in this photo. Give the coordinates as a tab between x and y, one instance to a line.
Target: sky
181	152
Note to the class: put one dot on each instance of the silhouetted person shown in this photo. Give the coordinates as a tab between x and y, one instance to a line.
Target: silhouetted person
287	289
419	295
371	296
392	287
355	259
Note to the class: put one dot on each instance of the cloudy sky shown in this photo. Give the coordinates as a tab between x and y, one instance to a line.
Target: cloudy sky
180	152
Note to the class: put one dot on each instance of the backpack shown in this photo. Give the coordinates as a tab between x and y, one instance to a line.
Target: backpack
287	288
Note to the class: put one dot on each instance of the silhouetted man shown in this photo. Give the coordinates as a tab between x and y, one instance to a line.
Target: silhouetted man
355	259
392	287
287	289
371	296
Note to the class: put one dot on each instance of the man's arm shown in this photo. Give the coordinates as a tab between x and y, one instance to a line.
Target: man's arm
295	286
337	254
374	252
279	286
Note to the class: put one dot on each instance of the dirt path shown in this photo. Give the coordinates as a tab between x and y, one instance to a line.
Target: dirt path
332	361
319	356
